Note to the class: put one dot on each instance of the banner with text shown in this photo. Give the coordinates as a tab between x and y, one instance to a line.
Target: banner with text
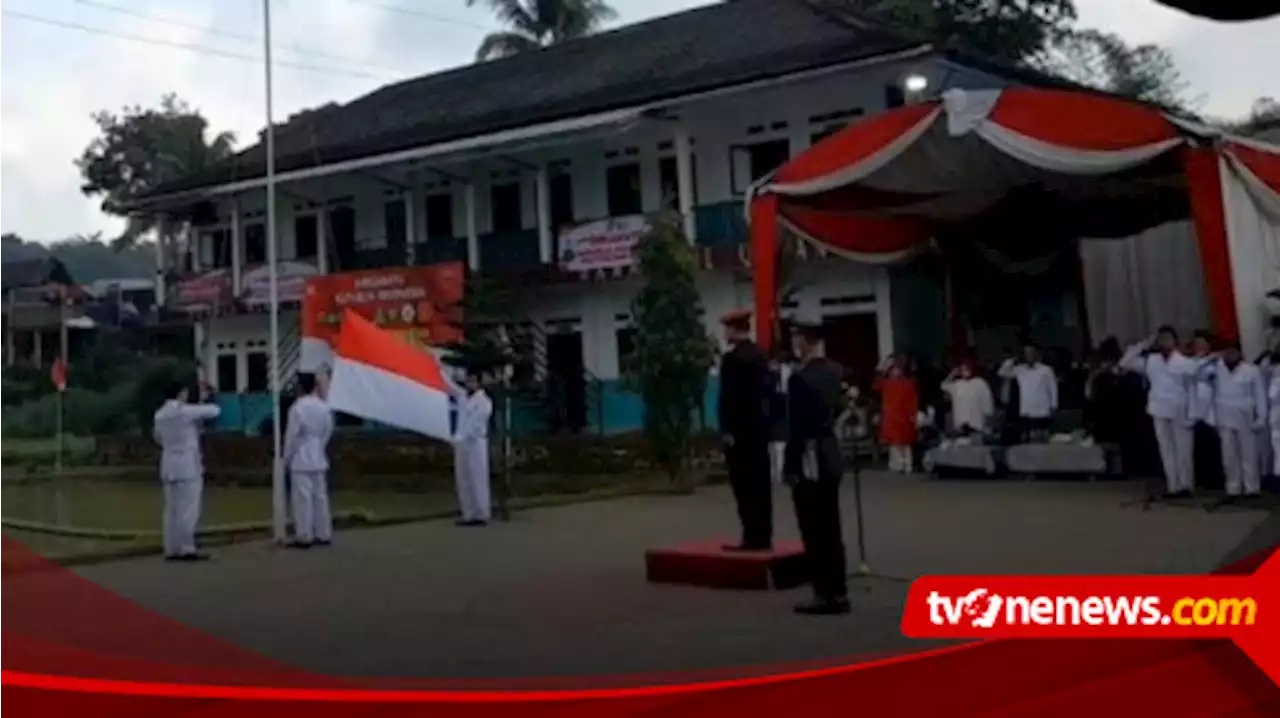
419	303
603	244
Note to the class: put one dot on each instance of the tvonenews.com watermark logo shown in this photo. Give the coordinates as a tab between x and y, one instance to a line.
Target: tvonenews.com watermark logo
981	608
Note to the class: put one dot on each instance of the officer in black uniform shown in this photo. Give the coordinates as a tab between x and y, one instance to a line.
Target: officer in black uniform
745	391
813	468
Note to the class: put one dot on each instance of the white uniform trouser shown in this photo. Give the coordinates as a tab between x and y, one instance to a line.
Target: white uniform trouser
900	458
777	457
471	475
1176	453
181	514
311	519
1240	460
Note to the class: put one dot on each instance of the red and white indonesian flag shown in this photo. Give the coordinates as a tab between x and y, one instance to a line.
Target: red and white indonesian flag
379	376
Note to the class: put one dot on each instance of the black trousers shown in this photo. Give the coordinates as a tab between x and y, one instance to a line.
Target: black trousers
748	464
818	513
1207	457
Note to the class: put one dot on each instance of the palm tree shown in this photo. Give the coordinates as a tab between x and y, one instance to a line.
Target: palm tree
535	24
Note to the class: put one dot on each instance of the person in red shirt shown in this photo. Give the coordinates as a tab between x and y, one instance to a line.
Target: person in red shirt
899	407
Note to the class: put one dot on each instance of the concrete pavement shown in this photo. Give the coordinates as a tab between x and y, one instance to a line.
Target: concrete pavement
561	592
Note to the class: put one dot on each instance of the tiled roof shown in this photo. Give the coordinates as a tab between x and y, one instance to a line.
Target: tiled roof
728	43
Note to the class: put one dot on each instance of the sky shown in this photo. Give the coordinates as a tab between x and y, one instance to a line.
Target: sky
54	73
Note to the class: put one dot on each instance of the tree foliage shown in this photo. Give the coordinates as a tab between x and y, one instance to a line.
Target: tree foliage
1006	30
1105	61
534	24
672	352
1039	34
487	307
87	258
137	151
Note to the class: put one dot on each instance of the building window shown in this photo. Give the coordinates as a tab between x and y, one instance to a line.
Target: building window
825	132
342	233
622	185
560	187
669	178
255	243
626	339
395	223
219	241
504	207
894	97
440	216
749	163
258	371
228	379
306	236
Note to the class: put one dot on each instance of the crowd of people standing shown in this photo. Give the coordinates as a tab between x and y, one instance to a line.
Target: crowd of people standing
1198	413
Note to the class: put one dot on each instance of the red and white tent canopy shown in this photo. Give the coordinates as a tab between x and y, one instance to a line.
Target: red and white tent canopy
880	189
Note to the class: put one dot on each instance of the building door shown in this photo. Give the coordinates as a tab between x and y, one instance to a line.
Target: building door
566	382
853	341
342	236
228	373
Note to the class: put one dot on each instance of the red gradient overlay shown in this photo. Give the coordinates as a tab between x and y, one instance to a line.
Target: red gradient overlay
72	648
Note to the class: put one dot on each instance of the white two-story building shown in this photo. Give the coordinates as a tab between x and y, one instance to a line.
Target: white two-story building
495	163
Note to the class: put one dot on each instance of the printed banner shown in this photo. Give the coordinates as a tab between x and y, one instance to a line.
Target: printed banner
212	290
603	244
421	304
291	283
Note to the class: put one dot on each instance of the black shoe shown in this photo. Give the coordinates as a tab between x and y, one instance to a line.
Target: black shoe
824	607
472	522
301	545
747	547
188	557
321	544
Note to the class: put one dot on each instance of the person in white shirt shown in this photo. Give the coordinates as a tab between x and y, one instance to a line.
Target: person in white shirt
1037	392
971	402
177	430
471	453
1170	375
1273	398
306	443
1240	411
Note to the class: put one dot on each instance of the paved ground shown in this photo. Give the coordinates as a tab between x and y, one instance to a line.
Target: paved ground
561	592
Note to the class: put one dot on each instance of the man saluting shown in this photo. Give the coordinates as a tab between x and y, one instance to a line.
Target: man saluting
745	393
177	431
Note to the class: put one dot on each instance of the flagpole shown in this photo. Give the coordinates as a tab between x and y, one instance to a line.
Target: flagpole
62	357
278	518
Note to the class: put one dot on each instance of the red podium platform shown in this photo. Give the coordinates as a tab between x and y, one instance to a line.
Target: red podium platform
706	563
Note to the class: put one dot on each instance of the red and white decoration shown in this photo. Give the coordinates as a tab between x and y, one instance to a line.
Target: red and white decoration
379	376
880	189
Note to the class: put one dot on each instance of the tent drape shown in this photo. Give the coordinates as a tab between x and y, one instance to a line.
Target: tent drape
880	188
1144	281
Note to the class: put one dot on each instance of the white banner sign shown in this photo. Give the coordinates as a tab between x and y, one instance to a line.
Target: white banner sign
603	244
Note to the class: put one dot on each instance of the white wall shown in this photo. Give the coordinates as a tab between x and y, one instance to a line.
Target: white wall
236	336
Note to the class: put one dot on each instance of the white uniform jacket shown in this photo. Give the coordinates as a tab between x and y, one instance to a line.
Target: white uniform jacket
306	439
1170	382
177	431
1239	395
